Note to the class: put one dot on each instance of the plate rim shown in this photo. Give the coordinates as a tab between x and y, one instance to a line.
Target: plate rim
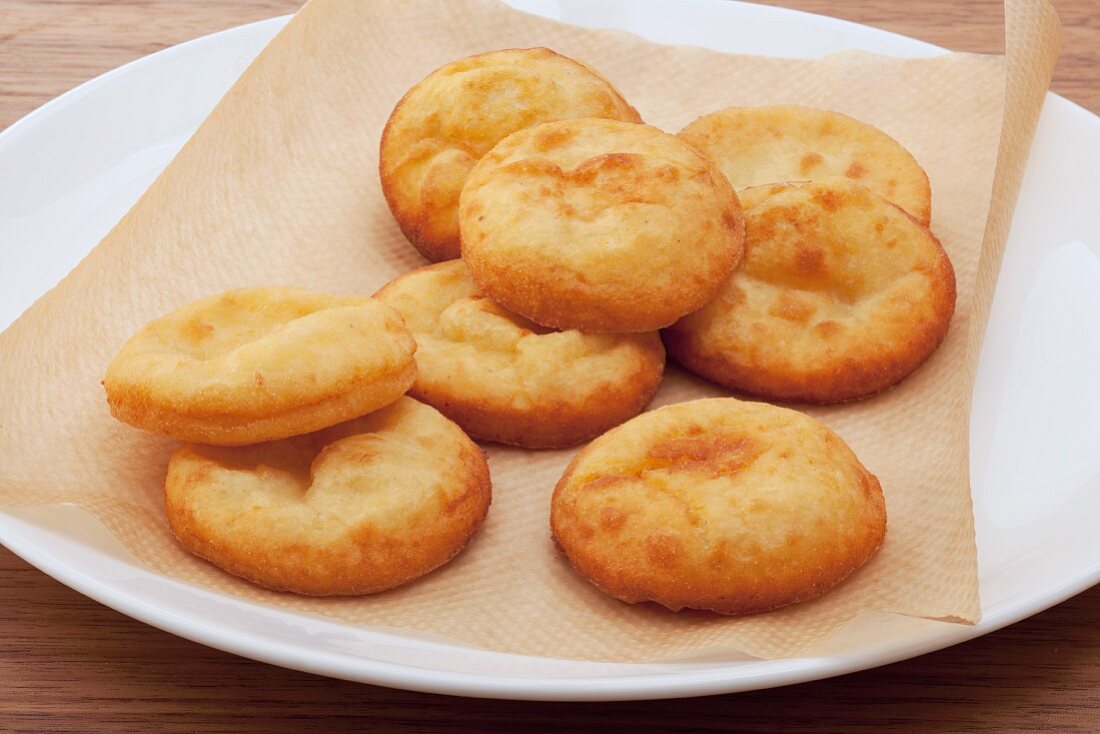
649	686
654	685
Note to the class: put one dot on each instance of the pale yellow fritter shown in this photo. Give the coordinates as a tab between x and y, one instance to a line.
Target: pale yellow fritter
718	504
445	123
353	509
599	225
763	145
840	294
503	378
261	364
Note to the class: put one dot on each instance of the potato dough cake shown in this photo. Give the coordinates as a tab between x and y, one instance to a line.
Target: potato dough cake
599	225
261	364
763	145
504	378
718	504
353	509
445	123
840	294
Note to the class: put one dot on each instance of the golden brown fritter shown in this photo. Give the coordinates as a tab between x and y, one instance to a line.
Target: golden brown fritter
840	294
261	364
599	225
356	508
445	123
504	378
763	145
718	504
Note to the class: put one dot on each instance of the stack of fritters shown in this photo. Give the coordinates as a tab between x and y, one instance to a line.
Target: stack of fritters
782	252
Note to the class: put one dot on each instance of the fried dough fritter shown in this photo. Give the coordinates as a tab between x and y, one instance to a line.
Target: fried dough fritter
840	295
763	145
599	225
504	378
261	364
718	504
356	508
450	119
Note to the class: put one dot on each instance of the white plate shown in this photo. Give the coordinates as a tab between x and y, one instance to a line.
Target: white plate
69	170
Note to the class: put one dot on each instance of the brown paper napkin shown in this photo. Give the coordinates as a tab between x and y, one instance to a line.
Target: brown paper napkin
279	185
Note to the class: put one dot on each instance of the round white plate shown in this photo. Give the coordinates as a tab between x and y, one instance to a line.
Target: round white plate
69	170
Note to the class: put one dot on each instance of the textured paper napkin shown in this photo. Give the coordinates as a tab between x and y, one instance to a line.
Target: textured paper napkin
280	185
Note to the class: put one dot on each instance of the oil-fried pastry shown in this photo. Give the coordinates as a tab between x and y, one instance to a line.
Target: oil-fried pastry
261	364
718	504
599	225
840	294
356	508
504	378
445	123
763	145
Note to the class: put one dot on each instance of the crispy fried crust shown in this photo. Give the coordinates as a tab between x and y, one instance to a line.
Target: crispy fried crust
357	508
446	122
503	378
599	225
718	504
840	295
259	365
763	145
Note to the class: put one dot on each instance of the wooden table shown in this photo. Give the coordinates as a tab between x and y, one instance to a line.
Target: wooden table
67	663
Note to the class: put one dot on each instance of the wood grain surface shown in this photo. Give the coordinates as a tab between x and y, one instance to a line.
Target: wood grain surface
69	664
